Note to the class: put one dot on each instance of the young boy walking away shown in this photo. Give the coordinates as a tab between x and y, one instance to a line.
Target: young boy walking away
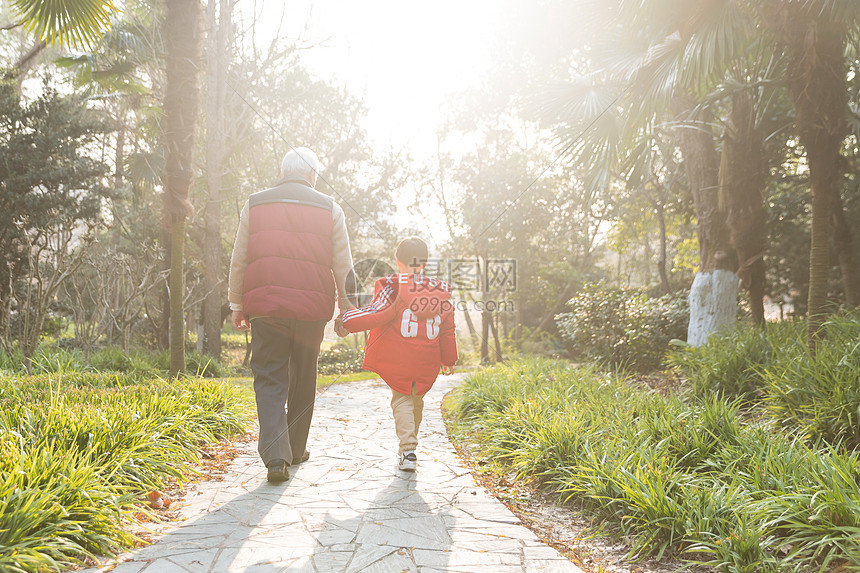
411	323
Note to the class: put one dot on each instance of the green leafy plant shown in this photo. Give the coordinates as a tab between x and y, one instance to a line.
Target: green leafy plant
77	450
729	363
820	394
697	479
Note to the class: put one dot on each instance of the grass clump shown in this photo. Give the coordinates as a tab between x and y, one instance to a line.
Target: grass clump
816	395
675	475
820	393
76	451
729	363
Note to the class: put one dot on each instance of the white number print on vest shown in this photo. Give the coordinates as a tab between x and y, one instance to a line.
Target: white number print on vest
433	325
409	325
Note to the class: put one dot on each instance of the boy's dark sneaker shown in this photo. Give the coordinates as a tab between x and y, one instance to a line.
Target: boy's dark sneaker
408	461
303	458
277	471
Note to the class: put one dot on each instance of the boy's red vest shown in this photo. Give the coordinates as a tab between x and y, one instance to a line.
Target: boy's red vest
411	323
290	254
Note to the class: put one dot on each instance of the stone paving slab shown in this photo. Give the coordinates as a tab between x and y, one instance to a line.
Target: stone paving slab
349	509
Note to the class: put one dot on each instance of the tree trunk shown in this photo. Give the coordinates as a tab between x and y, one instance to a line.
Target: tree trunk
216	65
713	304
119	156
702	165
23	64
714	289
661	263
743	178
494	327
162	334
817	83
470	326
182	40
486	318
846	254
176	288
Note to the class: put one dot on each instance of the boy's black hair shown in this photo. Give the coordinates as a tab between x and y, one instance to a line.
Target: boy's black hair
412	251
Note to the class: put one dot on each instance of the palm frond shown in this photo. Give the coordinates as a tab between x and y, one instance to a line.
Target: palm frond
721	36
78	23
837	10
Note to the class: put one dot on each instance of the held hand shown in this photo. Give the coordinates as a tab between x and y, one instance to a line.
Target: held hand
240	321
339	328
447	370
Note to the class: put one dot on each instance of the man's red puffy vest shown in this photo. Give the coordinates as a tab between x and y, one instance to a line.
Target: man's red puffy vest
290	254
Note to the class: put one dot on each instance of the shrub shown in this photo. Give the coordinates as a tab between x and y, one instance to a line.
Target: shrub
622	326
340	360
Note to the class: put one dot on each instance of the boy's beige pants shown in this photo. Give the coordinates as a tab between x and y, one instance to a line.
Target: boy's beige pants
408	411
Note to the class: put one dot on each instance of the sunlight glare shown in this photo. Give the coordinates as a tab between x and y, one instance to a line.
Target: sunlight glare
404	58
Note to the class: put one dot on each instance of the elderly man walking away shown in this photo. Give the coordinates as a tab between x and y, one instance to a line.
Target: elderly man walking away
291	260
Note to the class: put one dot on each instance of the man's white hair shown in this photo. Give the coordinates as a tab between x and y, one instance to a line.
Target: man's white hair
302	163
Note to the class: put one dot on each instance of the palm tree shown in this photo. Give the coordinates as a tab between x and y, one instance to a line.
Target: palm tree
666	78
815	36
182	37
815	33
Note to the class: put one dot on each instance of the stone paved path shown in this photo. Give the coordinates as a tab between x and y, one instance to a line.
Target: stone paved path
348	509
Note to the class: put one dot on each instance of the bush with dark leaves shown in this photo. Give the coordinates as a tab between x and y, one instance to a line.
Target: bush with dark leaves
622	327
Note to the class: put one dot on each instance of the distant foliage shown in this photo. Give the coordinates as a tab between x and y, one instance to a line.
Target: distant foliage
622	326
52	196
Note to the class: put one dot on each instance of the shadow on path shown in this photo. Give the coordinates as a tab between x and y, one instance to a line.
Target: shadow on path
348	509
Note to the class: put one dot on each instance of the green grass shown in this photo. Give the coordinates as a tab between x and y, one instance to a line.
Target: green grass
77	450
324	380
818	396
138	364
729	364
673	475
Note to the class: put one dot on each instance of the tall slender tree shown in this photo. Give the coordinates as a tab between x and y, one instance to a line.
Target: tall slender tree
182	37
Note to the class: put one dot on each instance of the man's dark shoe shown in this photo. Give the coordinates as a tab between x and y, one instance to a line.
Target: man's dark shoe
303	458
277	471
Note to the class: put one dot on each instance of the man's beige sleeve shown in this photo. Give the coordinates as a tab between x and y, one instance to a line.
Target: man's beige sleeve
239	261
341	260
